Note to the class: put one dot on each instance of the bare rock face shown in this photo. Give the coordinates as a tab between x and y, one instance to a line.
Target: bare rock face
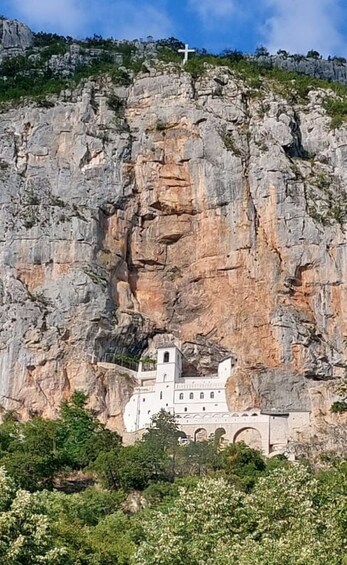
14	35
192	212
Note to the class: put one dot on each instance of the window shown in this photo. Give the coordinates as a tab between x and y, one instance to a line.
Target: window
166	357
161	396
185	409
181	395
212	395
202	395
191	396
143	400
203	408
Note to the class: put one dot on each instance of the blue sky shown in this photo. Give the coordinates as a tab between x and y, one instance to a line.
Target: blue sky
294	25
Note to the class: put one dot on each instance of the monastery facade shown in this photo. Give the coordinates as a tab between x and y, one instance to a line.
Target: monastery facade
201	410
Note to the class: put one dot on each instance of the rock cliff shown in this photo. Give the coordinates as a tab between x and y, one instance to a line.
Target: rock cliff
14	37
173	208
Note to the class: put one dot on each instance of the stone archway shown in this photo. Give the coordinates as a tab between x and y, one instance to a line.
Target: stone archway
219	434
250	436
182	438
200	435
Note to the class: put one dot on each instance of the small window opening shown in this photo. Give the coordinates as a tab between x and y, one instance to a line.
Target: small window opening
186	409
166	357
161	396
181	395
202	395
203	408
191	396
212	395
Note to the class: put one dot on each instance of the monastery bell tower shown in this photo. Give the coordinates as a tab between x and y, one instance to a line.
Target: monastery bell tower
169	364
169	370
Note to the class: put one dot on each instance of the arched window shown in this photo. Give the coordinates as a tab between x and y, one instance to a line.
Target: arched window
166	357
191	396
185	409
202	395
181	395
211	394
161	396
203	408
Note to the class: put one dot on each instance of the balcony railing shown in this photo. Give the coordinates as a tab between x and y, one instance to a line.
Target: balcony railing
127	363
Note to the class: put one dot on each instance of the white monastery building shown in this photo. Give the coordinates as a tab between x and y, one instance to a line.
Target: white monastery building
200	407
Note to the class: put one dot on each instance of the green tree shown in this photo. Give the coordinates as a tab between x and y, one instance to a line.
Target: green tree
199	458
133	467
163	432
312	54
288	519
81	435
25	530
243	465
30	453
191	531
261	51
162	440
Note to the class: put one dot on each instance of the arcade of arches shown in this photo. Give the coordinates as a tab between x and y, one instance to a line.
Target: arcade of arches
250	436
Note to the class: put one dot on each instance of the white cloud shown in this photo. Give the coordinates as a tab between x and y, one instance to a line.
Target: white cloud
212	9
61	16
301	25
128	19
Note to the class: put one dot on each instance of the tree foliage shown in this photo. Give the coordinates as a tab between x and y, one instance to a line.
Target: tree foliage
25	530
202	503
286	520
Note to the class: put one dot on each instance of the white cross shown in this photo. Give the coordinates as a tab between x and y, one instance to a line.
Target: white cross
186	52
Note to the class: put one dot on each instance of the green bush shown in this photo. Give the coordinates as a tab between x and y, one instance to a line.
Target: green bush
339	407
337	109
115	104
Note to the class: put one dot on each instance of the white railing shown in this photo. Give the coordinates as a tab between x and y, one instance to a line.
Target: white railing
147	375
221	417
121	369
141	389
143	375
203	385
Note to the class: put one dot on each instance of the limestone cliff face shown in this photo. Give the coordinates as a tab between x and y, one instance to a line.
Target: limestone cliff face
195	212
14	37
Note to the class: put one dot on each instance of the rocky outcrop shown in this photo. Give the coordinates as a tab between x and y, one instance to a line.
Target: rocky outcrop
14	36
332	70
192	210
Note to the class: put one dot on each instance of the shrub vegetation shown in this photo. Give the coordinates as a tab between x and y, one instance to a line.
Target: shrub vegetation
196	503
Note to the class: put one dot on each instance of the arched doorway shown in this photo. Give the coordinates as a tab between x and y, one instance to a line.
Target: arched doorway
219	437
182	438
200	435
250	436
219	433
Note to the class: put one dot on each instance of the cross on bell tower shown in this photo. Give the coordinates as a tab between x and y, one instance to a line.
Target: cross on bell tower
186	52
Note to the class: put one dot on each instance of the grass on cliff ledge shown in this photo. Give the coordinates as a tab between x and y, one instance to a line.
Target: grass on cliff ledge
261	78
23	77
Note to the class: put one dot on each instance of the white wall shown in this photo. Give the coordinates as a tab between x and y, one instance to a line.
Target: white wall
141	407
225	368
198	404
298	424
278	430
169	385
